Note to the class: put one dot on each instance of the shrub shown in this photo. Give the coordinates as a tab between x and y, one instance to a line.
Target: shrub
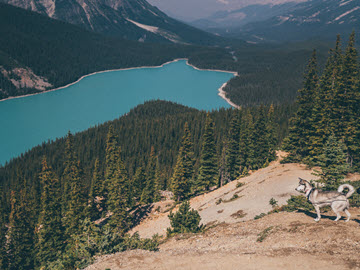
273	202
296	203
260	216
185	220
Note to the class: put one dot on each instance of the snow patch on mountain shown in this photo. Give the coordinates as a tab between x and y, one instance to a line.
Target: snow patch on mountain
344	2
152	29
347	13
156	30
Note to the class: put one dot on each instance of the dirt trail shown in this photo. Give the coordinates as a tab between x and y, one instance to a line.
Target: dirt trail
294	241
276	181
289	240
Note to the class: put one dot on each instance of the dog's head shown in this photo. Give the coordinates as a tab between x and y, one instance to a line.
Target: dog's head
302	185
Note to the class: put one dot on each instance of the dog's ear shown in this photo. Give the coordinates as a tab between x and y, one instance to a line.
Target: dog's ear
301	180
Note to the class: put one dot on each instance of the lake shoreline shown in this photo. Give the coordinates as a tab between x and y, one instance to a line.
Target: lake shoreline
221	93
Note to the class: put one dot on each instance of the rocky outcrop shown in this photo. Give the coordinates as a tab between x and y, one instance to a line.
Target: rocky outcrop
25	78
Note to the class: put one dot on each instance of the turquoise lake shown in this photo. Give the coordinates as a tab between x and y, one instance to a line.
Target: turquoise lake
28	121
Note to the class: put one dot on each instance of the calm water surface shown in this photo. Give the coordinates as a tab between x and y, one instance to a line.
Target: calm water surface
29	121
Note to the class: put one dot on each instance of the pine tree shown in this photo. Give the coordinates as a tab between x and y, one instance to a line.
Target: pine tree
3	232
96	200
208	171
261	137
116	188
224	175
300	130
186	220
76	204
118	200
21	237
322	114
333	163
232	151
148	194
271	134
247	143
184	168
348	97
50	232
139	182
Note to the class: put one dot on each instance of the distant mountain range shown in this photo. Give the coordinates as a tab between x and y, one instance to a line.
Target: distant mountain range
313	19
239	17
287	22
191	10
128	19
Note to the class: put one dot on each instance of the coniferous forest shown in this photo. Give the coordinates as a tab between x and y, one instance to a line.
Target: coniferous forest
65	201
109	173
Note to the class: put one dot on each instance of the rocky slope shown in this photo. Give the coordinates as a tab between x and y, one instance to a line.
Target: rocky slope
129	19
235	240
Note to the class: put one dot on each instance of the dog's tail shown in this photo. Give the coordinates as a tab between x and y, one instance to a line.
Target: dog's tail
350	187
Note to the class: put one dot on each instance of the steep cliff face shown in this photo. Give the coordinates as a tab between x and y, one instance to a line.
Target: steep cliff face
135	19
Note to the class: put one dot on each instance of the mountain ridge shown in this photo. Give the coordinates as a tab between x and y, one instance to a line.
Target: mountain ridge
135	19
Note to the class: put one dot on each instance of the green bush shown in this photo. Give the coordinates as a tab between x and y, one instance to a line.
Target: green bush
296	203
185	220
355	198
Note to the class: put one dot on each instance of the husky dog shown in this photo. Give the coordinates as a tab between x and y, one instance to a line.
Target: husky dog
336	199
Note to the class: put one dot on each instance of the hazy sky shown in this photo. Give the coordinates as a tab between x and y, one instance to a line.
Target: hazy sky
196	9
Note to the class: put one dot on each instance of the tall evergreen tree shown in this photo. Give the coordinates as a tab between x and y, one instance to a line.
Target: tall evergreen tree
261	137
116	185
322	120
184	168
139	181
232	151
148	194
96	200
3	232
247	143
300	130
208	171
21	236
348	97
76	200
333	163
50	232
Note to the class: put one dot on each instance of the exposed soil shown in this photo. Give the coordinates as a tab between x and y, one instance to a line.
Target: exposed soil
234	240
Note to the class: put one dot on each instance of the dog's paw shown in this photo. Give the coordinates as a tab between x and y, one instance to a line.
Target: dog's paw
347	220
317	219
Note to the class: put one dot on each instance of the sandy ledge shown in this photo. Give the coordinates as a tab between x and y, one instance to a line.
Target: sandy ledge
221	93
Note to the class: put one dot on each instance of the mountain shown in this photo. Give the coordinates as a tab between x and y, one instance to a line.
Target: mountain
128	19
312	19
230	19
191	10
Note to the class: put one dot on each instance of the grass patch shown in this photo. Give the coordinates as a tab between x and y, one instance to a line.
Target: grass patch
265	233
260	216
239	214
239	184
233	198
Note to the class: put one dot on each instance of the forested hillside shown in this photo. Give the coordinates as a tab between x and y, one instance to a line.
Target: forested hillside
113	171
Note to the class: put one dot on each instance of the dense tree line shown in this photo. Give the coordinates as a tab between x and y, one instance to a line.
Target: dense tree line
110	172
328	108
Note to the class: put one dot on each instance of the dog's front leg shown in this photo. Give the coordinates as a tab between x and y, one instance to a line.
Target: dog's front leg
317	208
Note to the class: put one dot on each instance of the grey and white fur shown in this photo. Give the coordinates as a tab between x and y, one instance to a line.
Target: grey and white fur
336	199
